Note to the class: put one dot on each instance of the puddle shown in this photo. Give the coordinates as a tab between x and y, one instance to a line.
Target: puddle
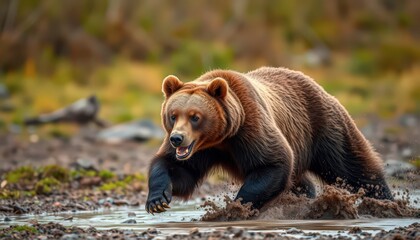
184	215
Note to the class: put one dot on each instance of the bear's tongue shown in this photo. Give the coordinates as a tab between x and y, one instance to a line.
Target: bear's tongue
181	151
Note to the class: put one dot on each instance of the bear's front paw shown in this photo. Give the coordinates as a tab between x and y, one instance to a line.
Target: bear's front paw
158	201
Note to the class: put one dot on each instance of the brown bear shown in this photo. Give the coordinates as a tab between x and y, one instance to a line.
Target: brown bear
267	128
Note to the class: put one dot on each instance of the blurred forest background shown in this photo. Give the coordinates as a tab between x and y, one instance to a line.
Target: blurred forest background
366	53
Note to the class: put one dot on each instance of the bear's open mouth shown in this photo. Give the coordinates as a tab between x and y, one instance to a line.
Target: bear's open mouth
184	152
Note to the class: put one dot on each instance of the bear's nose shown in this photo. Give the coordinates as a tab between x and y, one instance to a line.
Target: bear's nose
176	139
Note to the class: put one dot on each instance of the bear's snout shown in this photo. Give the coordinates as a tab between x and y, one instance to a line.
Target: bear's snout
176	139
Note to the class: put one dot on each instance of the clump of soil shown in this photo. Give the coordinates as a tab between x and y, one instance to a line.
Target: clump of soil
334	203
387	209
287	206
234	210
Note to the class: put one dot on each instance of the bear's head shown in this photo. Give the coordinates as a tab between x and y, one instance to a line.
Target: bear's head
194	114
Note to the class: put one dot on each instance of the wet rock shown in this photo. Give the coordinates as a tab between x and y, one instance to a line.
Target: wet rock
81	112
140	131
269	235
355	230
194	231
294	231
85	164
152	231
121	202
7	219
70	237
6	209
131	214
19	210
130	221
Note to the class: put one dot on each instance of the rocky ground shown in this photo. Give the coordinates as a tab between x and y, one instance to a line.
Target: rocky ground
57	231
78	173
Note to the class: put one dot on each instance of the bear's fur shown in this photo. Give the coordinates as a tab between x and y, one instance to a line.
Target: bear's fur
268	129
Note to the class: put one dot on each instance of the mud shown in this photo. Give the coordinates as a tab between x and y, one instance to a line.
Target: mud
233	210
58	231
387	209
333	203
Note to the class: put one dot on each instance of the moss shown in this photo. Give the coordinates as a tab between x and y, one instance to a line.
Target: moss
123	184
47	186
83	173
57	172
114	186
21	175
416	162
9	194
106	175
24	228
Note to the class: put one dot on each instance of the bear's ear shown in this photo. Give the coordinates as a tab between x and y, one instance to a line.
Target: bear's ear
170	85
218	88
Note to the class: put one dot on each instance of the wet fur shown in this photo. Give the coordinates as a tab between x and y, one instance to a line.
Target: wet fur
276	126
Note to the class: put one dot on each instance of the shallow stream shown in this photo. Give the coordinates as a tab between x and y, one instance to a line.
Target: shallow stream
183	216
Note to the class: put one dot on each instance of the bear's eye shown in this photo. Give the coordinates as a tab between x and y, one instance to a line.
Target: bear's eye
173	117
194	118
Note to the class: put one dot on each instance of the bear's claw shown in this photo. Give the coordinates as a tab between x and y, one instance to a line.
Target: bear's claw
158	202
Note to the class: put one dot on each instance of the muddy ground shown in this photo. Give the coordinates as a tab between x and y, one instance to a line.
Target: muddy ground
80	173
57	231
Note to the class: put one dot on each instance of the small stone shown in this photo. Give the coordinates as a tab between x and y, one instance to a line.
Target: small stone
7	219
194	231
293	231
270	235
131	214
130	221
3	184
355	230
120	202
70	237
152	231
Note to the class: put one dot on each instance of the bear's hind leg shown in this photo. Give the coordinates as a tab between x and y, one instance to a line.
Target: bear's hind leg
353	169
304	186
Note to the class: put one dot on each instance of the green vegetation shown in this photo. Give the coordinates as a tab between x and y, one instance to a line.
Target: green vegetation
47	185
23	228
128	181
55	172
21	175
27	181
106	175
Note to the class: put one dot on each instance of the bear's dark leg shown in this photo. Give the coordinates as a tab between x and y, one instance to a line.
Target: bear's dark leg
304	187
262	184
167	178
335	162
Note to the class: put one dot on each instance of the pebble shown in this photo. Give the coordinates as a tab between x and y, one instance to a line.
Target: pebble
131	221
70	237
152	231
131	214
293	231
194	231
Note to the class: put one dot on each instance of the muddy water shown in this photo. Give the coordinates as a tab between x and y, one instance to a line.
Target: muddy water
184	215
